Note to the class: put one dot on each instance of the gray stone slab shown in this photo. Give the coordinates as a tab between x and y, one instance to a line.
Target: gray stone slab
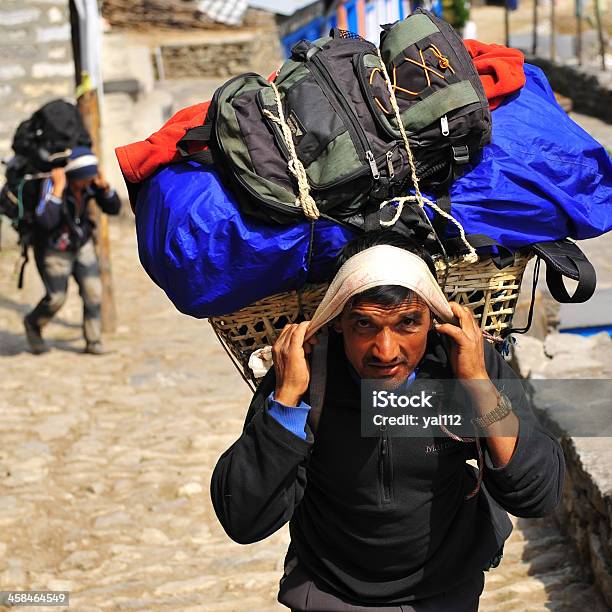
594	313
580	408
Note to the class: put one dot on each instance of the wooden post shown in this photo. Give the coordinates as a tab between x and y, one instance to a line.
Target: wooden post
534	37
579	31
90	111
602	42
507	22
553	36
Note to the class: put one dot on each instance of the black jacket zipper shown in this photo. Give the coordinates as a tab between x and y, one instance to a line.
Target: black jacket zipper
325	79
385	469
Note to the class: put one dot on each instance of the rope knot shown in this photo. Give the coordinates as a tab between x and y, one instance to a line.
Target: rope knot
294	165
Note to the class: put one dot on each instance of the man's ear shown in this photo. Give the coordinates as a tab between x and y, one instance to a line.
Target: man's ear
337	325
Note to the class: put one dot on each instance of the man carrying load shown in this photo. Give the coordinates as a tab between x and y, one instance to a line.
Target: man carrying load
64	245
384	523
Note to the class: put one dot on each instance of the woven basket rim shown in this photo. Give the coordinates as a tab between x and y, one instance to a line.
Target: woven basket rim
521	260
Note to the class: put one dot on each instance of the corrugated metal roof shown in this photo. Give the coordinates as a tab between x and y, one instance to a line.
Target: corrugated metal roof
229	12
285	7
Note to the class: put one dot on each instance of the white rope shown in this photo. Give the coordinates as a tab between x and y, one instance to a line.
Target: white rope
470	257
304	199
398	118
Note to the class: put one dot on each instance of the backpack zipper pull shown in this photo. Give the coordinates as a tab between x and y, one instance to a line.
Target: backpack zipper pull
383	449
390	165
373	166
444	125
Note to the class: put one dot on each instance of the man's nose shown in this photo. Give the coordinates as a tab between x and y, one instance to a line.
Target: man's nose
386	348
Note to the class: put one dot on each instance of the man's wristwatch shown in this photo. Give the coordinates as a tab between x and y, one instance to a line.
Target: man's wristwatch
503	409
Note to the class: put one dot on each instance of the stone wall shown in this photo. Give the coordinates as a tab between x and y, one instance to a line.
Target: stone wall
36	63
225	52
217	59
585	512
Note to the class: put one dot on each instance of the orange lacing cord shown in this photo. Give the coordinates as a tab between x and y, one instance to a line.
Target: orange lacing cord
443	62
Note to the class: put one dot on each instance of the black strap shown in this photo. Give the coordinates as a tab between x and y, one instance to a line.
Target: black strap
202	157
523	330
311	238
564	258
24	260
440	223
371	220
200	134
504	256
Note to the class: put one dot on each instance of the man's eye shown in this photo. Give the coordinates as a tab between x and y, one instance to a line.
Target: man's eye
407	322
363	323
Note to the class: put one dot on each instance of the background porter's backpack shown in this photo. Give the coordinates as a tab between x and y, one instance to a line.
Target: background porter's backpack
41	143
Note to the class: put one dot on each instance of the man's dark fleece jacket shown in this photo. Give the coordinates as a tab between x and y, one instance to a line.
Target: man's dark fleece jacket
382	521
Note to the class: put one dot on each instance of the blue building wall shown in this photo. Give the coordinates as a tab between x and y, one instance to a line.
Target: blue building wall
320	26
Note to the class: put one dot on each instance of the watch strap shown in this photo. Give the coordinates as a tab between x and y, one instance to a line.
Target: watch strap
503	409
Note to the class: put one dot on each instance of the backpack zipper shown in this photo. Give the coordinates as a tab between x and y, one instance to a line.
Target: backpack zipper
352	124
444	125
390	170
373	166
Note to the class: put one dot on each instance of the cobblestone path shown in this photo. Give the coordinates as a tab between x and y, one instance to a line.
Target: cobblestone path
105	465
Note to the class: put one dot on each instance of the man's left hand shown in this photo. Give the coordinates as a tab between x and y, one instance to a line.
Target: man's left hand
467	346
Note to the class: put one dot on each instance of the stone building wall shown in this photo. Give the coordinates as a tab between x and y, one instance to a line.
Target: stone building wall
36	62
223	52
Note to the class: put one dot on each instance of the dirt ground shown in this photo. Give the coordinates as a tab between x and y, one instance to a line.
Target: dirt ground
105	462
105	466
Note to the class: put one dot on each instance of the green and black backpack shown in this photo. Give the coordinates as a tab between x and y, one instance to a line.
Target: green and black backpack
324	138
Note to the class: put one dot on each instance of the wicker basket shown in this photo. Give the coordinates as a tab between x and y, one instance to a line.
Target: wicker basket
490	293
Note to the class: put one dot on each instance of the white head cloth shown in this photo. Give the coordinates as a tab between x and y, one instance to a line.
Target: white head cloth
379	265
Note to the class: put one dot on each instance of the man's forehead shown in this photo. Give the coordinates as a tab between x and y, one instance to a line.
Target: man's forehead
412	304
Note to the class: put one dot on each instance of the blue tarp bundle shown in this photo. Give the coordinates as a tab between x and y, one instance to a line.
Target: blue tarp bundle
541	178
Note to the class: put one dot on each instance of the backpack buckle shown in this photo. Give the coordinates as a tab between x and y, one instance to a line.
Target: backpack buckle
461	154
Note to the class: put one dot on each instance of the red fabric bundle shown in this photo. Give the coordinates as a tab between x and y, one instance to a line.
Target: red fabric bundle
500	69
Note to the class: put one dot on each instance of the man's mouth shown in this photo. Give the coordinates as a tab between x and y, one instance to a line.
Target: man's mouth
384	369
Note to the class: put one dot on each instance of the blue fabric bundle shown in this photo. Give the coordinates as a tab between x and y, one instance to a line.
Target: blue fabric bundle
541	178
210	259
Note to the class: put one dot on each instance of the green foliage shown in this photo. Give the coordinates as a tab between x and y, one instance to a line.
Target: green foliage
456	12
461	10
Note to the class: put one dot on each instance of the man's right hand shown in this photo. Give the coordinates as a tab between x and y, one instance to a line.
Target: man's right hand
58	178
291	366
